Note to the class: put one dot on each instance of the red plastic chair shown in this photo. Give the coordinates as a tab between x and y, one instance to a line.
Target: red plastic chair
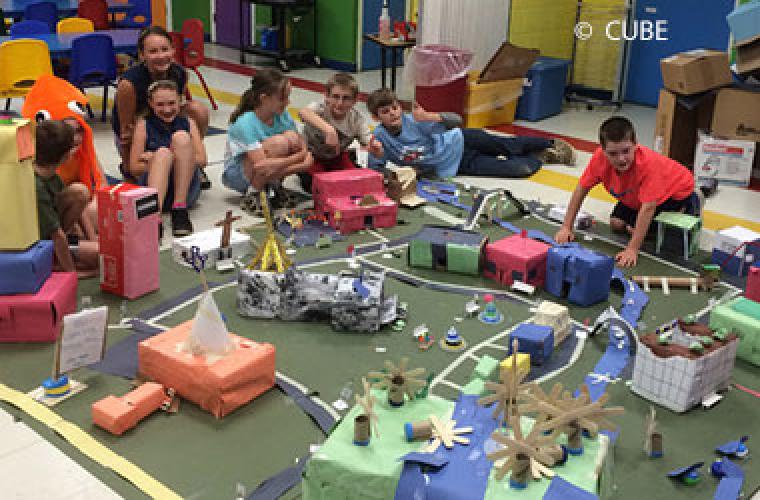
178	42
193	53
96	11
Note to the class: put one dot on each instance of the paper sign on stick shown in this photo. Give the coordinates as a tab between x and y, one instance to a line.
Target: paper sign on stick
82	341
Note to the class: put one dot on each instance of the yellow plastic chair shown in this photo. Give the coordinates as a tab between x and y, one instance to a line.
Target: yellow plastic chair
22	61
75	25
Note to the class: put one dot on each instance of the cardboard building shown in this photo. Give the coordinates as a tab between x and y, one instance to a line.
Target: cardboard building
516	258
446	248
581	275
353	199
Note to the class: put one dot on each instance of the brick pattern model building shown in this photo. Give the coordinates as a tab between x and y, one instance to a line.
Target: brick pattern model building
353	199
446	248
678	377
516	258
347	302
581	275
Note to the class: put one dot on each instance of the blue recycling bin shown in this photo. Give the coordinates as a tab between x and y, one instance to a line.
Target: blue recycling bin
545	91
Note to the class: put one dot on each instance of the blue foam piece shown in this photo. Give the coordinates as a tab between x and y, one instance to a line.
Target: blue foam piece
683	472
25	271
559	489
429	459
634	298
467	474
729	488
733	447
277	485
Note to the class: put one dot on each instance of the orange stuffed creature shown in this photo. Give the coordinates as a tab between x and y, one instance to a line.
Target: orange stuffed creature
52	98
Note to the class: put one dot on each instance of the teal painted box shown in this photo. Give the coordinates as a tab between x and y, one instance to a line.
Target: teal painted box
742	316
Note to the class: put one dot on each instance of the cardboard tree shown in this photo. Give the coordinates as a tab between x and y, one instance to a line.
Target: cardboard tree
444	432
505	394
365	424
399	381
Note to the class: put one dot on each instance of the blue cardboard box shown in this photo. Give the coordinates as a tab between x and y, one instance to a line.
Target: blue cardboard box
545	92
744	21
578	274
27	270
536	340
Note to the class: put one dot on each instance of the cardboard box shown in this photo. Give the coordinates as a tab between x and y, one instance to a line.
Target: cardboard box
744	21
509	61
218	384
119	414
677	122
25	272
727	160
19	227
736	115
695	71
748	55
38	317
128	219
725	252
209	243
491	103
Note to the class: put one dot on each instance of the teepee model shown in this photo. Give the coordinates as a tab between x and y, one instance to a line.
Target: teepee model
366	423
399	381
271	255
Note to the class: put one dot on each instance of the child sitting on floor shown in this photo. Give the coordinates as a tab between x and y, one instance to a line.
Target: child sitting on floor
644	182
250	165
435	143
167	150
330	126
60	207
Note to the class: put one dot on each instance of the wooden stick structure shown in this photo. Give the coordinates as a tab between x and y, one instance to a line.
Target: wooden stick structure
706	280
226	225
398	381
271	255
444	432
505	394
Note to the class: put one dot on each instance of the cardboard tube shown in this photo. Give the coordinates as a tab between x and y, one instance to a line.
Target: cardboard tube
574	440
656	444
418	430
361	430
520	472
558	454
396	392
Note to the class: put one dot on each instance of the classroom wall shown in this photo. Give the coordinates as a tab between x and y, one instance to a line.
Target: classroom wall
158	11
191	9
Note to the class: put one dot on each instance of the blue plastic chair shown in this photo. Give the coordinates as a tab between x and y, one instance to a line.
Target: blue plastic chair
22	28
93	64
139	16
47	12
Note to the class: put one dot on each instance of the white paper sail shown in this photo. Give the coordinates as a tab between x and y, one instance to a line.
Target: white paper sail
209	333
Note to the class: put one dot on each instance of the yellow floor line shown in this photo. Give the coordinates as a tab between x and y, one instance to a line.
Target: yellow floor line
711	220
87	444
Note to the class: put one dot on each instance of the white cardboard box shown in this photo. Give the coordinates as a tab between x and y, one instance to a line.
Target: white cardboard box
583	220
208	242
728	161
726	240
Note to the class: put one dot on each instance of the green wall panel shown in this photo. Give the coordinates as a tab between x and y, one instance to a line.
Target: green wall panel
191	9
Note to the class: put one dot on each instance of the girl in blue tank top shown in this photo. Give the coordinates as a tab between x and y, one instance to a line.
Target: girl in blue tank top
166	152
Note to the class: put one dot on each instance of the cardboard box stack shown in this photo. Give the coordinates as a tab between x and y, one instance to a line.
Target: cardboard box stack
492	94
33	299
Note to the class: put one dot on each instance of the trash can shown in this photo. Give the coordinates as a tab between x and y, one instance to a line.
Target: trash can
440	77
545	90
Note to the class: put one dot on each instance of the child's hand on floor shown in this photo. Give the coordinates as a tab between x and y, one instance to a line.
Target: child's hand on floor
564	235
331	139
627	258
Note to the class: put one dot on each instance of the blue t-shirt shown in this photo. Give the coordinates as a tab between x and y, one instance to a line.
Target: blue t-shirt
248	131
427	146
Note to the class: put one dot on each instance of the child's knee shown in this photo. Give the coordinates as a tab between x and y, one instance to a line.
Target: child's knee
164	154
294	140
277	146
181	138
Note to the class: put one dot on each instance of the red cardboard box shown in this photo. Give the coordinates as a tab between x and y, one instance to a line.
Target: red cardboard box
218	384
38	317
119	414
128	219
516	257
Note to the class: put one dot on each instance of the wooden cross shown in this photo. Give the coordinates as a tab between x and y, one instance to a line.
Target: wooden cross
226	224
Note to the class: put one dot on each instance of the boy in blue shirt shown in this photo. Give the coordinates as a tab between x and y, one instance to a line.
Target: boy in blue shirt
435	143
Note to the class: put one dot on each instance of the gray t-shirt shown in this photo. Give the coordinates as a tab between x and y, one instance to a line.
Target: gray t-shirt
353	126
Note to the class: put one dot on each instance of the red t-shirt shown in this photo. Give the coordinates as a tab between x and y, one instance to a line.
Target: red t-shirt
652	177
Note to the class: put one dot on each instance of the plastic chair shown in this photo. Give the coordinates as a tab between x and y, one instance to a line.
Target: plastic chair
96	11
21	63
75	25
93	64
47	12
139	16
193	54
22	28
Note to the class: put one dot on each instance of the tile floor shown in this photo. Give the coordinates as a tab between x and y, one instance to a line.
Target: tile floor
23	452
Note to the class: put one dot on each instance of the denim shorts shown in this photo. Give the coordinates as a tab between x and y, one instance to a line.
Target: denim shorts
234	178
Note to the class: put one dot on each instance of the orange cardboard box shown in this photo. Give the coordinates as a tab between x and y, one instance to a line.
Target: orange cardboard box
119	414
218	384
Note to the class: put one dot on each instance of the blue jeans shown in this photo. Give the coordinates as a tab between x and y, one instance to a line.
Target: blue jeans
481	151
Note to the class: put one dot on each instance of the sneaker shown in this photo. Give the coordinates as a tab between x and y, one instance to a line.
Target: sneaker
181	225
205	182
563	153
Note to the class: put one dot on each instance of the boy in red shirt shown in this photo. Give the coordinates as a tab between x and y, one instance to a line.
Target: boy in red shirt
644	182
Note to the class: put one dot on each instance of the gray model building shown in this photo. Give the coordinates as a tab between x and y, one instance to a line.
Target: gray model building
356	303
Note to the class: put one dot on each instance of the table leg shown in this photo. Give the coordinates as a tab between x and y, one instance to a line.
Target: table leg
242	28
686	246
393	69
660	234
382	66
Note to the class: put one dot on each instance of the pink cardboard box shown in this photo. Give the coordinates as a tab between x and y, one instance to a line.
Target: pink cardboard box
38	317
219	385
516	257
128	219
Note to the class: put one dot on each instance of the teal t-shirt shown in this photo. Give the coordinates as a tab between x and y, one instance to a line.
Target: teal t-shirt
248	131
